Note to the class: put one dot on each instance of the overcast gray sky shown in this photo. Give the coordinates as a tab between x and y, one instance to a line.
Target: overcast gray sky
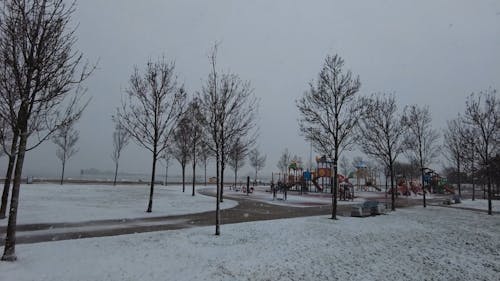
427	52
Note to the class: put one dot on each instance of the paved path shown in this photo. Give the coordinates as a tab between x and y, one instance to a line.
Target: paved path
247	210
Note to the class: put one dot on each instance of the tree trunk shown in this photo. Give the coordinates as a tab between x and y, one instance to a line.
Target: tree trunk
335	190
183	177
473	185
222	167
205	173
8	176
116	172
459	179
62	173
423	184
10	240
194	174
166	173
217	205
393	196
490	211
152	185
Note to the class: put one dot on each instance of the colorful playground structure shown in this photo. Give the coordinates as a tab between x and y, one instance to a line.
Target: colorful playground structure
321	179
433	183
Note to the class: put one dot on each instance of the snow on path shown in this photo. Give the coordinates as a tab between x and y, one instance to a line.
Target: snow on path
410	244
51	203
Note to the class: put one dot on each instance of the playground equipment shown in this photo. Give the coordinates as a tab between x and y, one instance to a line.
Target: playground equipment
324	173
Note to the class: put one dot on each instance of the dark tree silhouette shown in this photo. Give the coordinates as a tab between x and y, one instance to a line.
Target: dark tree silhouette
229	108
329	114
65	138
120	139
236	157
381	133
41	74
257	161
153	109
454	146
196	135
420	139
181	146
482	113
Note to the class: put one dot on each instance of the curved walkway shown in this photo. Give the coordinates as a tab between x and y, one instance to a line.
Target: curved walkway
247	210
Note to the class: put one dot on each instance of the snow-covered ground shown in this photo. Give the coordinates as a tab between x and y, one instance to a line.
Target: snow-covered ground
50	203
479	204
410	244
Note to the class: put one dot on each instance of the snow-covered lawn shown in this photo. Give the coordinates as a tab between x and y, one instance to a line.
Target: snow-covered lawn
41	203
411	244
479	204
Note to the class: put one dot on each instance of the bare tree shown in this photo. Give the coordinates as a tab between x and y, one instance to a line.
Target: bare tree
65	138
204	156
283	162
166	156
236	157
454	146
196	135
181	146
257	161
482	113
229	107
153	110
420	139
329	114
120	139
41	74
381	133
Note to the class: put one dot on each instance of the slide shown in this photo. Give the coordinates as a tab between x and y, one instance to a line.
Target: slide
448	189
316	184
376	187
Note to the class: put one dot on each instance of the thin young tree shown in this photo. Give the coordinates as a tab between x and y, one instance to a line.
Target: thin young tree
41	75
204	156
196	135
155	104
236	157
381	133
283	162
329	113
482	114
166	157
420	139
257	161
454	146
229	107
181	146
65	139
120	139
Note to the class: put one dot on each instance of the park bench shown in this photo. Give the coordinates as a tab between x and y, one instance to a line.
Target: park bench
367	208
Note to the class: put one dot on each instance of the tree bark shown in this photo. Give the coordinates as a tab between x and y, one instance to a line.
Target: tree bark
217	205
8	176
10	240
166	173
62	173
194	175
393	196
116	173
335	190
222	167
183	177
152	185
